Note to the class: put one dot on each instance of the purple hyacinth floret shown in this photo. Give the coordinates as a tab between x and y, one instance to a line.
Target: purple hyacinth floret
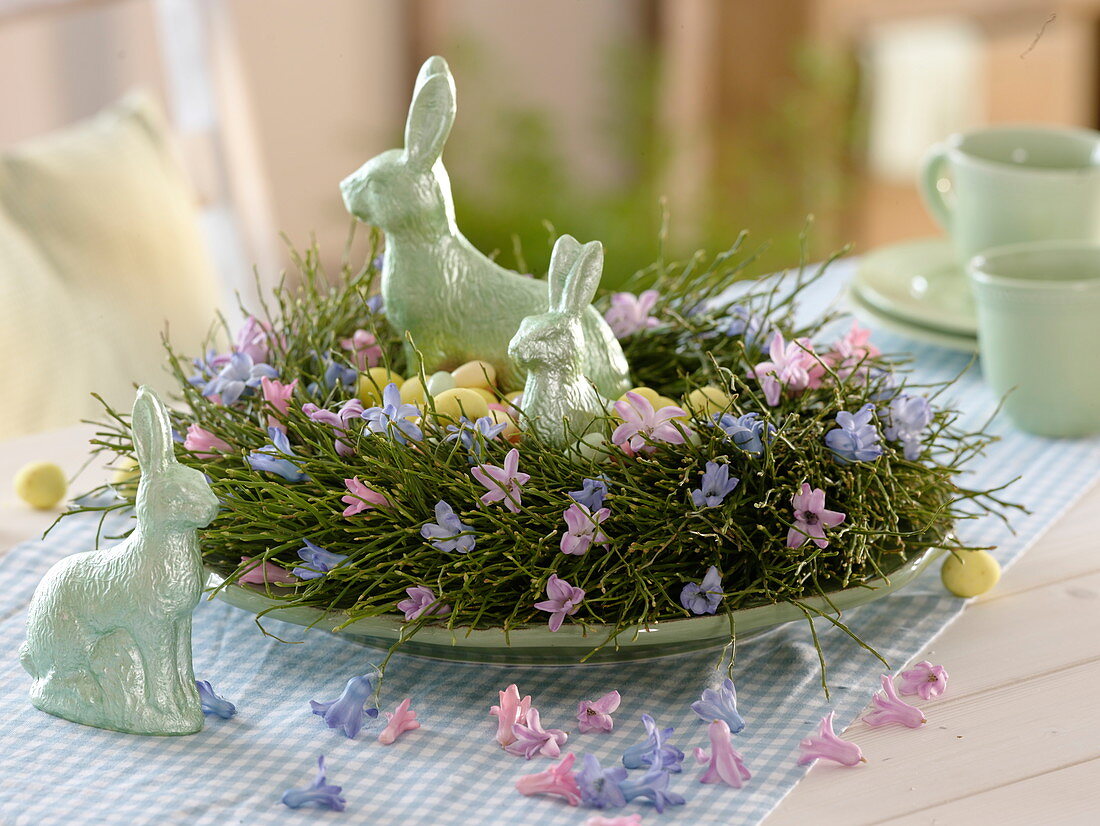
720	704
392	417
599	786
213	703
466	433
703	597
347	711
449	533
654	751
856	439
237	377
273	458
591	494
318	560
319	792
716	485
747	432
652	786
907	417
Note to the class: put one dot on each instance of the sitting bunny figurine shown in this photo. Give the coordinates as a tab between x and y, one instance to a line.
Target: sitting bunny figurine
109	631
560	404
457	304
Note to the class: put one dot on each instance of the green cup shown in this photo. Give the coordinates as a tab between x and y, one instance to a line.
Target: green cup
1009	184
1039	333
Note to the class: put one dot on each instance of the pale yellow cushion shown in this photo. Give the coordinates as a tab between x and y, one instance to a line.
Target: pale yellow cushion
100	250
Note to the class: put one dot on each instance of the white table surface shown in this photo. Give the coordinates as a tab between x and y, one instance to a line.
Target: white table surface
1016	740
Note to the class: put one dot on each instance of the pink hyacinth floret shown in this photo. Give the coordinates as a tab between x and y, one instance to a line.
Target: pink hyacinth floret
403	719
595	715
532	738
726	763
642	424
503	483
557	780
925	679
364	349
811	518
583	529
564	601
890	708
277	396
361	498
826	745
793	368
265	572
850	352
511	710
622	820
629	313
204	444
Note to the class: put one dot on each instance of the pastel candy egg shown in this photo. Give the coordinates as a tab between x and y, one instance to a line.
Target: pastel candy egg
511	430
40	484
593	447
373	381
703	401
514	395
127	471
651	395
413	392
488	395
438	382
475	374
970	573
461	401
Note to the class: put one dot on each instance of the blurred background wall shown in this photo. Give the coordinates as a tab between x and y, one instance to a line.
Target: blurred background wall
582	113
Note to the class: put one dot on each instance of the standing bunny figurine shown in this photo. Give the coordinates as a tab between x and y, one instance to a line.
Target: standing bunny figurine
109	631
560	404
457	304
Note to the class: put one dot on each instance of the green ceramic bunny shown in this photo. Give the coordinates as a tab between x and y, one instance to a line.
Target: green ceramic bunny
109	631
559	402
457	304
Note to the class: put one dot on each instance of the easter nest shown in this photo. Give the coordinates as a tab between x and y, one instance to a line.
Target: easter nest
328	505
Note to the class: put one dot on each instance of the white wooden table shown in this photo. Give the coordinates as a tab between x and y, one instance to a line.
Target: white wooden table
1015	741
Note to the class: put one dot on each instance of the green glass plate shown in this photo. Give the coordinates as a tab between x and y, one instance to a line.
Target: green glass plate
536	645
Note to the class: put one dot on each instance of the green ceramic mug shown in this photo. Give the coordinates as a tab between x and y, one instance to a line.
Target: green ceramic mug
1009	184
1039	332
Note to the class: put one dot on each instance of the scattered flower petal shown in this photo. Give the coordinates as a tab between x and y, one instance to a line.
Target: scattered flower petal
890	708
362	498
503	483
720	704
622	820
595	715
557	780
346	712
511	710
319	792
403	719
726	763
599	787
532	739
213	703
652	786
653	751
826	745
925	679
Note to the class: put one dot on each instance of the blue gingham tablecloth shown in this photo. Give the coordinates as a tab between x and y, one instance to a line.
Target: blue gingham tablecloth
451	771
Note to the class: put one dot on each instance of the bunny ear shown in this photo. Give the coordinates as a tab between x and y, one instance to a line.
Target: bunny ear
583	279
152	431
431	113
566	250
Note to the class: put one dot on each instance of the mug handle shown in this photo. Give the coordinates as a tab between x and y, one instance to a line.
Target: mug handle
932	167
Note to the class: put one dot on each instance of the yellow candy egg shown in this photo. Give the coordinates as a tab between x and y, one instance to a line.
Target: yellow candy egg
703	401
373	381
970	573
489	396
413	392
665	401
127	471
41	485
475	374
647	392
461	401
